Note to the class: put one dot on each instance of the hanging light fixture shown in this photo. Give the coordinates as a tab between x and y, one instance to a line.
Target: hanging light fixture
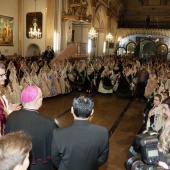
109	37
35	32
92	33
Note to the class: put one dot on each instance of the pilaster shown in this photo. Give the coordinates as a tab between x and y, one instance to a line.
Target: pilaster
20	27
49	33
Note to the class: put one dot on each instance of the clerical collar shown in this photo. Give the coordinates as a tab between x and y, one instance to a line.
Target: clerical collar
31	110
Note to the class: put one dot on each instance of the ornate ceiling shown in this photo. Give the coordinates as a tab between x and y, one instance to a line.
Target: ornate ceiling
131	10
139	9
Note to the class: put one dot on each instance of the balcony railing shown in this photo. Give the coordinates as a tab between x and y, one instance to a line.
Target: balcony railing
142	24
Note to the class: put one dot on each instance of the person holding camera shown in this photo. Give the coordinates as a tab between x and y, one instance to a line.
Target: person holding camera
152	149
164	142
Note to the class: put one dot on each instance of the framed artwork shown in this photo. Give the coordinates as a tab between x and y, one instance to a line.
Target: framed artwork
34	25
6	30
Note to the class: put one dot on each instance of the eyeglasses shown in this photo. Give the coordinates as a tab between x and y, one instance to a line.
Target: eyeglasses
2	75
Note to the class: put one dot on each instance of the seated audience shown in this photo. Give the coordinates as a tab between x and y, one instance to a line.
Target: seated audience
14	151
165	94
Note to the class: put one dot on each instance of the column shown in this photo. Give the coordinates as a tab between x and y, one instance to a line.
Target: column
20	27
93	7
49	33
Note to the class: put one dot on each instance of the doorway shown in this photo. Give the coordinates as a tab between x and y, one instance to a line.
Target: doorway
31	48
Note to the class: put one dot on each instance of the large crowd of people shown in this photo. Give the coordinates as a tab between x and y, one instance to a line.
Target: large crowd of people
40	128
127	76
29	80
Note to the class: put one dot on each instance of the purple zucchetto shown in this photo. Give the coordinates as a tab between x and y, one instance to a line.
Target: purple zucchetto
29	94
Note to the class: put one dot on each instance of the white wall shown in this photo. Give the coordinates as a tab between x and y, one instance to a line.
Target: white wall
85	30
10	8
81	35
29	6
77	33
69	31
101	38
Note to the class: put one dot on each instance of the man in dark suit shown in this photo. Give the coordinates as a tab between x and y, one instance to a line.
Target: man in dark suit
35	57
142	76
82	145
39	127
49	54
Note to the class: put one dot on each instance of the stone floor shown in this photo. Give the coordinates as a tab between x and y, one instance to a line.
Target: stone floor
122	117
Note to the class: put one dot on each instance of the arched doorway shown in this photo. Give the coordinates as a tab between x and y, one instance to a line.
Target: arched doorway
168	56
162	51
31	48
130	48
147	48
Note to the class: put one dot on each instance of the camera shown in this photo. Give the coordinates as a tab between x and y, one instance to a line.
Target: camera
134	163
149	150
148	155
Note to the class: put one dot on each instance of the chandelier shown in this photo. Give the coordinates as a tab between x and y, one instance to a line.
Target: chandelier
109	37
35	32
92	33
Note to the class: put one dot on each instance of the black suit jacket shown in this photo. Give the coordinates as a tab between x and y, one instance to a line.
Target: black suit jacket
40	128
80	146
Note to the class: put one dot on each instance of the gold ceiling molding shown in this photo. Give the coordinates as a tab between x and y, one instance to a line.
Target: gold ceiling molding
77	11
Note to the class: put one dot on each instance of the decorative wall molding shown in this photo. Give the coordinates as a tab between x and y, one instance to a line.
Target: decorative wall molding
123	32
